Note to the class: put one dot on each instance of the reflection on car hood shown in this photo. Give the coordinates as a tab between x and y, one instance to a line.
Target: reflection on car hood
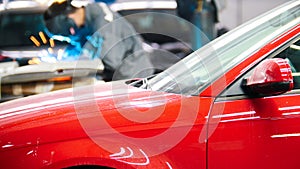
38	117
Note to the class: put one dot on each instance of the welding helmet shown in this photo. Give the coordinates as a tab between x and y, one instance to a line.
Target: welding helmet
57	20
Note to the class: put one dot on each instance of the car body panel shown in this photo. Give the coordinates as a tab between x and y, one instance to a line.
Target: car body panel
258	133
130	124
41	112
254	133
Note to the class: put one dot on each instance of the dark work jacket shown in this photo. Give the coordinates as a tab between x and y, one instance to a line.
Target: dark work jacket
116	43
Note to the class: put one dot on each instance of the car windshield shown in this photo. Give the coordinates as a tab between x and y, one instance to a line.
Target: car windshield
16	28
194	73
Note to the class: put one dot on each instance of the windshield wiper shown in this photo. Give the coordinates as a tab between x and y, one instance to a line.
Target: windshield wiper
142	83
146	84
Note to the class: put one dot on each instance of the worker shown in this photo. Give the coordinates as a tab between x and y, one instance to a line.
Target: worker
103	35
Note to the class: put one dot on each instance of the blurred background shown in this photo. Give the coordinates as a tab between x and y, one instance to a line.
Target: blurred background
237	12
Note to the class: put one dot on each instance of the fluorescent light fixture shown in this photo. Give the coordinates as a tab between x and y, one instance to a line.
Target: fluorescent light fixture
143	5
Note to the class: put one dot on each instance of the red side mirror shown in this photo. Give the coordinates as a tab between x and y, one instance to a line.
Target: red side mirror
270	77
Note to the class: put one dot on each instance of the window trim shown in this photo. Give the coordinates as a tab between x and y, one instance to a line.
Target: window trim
223	96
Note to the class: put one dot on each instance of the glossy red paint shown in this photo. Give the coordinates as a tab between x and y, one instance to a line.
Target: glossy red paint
272	71
270	77
121	126
256	133
46	131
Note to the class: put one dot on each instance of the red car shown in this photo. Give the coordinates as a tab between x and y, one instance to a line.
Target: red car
232	104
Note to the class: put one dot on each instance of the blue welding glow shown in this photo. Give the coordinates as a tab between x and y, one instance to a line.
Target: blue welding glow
61	38
46	56
106	1
70	53
75	49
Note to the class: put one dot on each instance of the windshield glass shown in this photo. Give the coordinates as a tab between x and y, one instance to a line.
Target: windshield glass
192	74
16	28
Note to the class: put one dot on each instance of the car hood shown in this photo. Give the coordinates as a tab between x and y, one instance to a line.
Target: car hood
60	115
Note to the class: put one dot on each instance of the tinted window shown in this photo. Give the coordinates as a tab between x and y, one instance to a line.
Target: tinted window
15	29
292	54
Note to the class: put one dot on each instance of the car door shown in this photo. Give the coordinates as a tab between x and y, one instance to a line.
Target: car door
257	132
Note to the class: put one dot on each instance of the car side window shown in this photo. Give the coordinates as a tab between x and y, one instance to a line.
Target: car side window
290	52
